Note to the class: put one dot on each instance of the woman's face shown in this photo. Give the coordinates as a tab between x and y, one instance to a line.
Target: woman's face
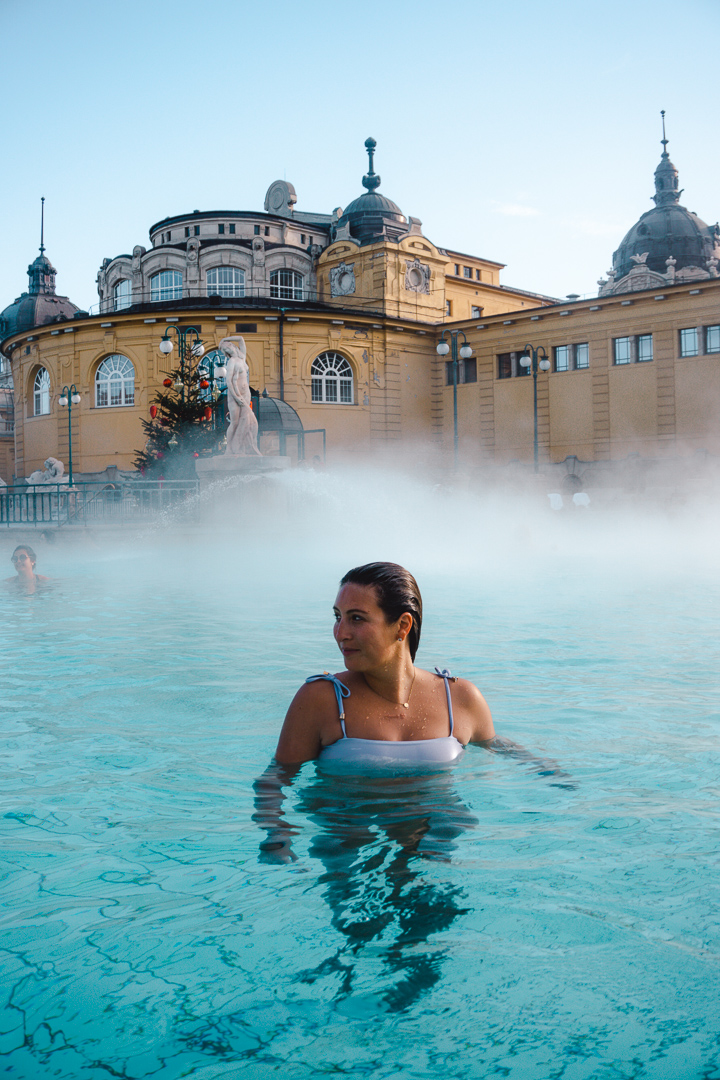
22	562
364	636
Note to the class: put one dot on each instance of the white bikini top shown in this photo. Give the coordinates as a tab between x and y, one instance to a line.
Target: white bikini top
383	752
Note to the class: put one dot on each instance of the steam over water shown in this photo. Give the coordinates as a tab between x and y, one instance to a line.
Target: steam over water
497	919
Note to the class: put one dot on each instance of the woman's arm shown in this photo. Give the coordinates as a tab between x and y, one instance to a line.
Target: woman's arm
310	715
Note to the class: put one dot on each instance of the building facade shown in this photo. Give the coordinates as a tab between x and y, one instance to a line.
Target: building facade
342	314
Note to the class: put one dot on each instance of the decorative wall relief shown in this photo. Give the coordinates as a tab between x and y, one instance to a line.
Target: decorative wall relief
417	277
342	279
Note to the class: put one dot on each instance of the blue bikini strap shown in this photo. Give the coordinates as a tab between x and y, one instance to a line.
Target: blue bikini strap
341	691
446	677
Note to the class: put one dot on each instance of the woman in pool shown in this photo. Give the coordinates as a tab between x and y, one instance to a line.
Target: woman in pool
23	559
381	707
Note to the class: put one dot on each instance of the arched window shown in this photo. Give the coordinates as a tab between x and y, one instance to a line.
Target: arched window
332	379
286	285
225	281
115	382
122	294
41	393
167	285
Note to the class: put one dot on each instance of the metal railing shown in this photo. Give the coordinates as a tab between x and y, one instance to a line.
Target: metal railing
116	503
249	294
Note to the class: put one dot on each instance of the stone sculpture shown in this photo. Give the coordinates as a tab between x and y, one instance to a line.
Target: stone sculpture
243	429
53	473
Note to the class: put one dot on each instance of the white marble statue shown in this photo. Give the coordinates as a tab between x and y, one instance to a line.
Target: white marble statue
53	473
243	429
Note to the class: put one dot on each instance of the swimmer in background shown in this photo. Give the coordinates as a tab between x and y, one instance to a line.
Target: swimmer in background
24	559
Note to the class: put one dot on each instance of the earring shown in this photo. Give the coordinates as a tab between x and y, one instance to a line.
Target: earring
401	638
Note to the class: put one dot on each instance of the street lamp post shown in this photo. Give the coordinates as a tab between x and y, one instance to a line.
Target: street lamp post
530	359
69	396
443	349
196	349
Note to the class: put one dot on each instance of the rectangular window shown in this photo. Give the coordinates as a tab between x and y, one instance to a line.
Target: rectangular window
689	342
267	230
466	371
562	357
582	355
187	230
232	229
467	271
316	391
623	350
477	275
221	228
448	307
302	238
504	365
644	348
712	339
197	230
256	230
476	312
457	269
345	391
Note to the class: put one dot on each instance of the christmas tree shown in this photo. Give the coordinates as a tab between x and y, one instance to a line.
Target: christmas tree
182	425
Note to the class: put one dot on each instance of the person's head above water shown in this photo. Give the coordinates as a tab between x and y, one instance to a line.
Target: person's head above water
22	554
397	592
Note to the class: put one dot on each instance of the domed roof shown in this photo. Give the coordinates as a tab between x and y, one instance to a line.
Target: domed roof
373	216
276	415
39	305
668	240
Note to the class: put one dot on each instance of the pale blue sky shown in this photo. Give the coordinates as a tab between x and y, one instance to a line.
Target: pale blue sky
525	132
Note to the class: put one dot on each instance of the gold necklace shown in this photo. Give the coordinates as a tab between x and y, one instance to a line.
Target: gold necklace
405	704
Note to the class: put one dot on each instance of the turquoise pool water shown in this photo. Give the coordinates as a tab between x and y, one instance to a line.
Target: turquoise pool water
484	922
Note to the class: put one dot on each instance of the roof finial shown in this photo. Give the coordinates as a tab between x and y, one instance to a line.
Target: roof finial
663	140
371	180
42	225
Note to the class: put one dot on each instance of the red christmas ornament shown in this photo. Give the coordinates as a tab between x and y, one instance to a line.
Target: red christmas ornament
195	454
153	412
208	412
167	382
204	384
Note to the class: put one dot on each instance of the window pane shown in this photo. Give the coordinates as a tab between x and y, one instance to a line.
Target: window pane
225	281
504	365
331	389
645	348
167	285
41	394
470	370
476	312
122	294
712	339
115	382
622	350
346	391
449	378
562	357
317	388
689	342
582	355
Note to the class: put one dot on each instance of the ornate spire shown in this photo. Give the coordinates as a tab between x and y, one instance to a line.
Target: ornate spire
371	180
41	272
666	175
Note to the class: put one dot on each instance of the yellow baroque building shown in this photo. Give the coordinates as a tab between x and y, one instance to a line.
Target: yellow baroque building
342	314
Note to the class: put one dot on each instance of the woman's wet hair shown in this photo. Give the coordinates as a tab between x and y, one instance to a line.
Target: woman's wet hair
397	592
28	551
